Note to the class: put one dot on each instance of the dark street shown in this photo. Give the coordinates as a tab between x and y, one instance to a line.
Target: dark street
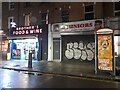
15	79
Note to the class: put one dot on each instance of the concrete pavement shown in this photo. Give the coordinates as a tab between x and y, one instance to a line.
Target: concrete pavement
57	68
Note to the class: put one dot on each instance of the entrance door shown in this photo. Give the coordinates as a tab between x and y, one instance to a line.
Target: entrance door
56	49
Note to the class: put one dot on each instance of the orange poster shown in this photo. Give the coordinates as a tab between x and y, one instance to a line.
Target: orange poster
105	52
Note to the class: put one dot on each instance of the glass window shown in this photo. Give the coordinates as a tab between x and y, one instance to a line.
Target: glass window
89	16
117	8
65	15
89	12
89	8
11	5
117	5
27	20
44	18
65	18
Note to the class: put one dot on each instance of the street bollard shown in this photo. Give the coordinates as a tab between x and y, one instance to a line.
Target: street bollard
30	60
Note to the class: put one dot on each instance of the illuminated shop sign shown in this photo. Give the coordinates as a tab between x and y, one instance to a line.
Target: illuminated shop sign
28	30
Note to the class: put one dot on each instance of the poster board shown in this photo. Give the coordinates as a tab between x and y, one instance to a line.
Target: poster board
105	50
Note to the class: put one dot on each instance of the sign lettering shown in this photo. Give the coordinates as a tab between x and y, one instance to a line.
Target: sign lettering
27	30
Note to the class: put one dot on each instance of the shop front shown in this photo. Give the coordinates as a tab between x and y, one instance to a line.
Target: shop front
78	41
20	48
75	41
22	40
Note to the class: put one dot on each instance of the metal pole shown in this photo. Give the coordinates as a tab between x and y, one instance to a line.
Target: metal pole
30	60
95	53
114	61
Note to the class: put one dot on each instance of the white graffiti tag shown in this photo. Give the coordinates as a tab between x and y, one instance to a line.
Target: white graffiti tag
77	52
80	51
69	52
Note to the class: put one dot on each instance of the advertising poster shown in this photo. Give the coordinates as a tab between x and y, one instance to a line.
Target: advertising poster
16	53
105	52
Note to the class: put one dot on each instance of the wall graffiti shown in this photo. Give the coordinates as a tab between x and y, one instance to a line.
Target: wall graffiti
80	51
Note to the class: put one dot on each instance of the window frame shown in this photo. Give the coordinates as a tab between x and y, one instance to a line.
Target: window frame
65	15
11	5
44	20
90	12
25	20
116	11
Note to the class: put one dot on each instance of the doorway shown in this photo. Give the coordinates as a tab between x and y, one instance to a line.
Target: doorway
56	49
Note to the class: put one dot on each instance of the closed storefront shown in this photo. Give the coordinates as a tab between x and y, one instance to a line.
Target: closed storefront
73	41
78	44
78	48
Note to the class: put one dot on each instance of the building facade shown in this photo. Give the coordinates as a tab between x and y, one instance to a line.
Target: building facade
58	14
37	13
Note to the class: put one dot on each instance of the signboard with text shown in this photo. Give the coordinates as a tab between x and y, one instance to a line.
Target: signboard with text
29	30
86	25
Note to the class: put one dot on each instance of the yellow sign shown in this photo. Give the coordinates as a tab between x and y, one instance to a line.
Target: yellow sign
105	51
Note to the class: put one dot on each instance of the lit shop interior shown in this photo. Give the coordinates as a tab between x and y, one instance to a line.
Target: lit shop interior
20	49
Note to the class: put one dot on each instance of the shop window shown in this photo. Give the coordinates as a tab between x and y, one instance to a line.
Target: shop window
44	18
117	8
11	5
89	12
65	15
